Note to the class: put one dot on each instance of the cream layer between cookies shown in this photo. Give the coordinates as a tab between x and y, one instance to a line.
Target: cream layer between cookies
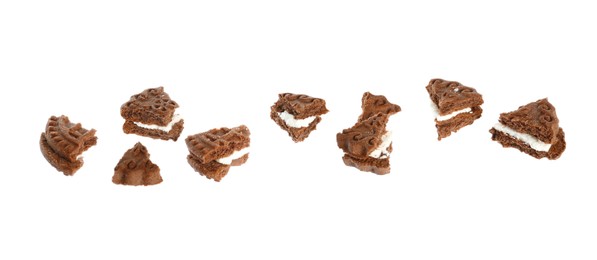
439	117
293	122
381	151
532	141
235	155
175	119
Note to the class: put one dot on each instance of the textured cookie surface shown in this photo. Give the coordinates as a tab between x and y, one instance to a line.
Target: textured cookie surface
67	139
374	104
361	139
60	163
206	148
301	107
369	134
135	168
63	142
450	96
218	143
538	119
153	106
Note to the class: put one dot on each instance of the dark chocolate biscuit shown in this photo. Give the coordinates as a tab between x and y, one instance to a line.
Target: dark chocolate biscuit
151	113
298	107
532	128
63	142
451	97
135	168
367	145
361	139
208	150
373	104
538	118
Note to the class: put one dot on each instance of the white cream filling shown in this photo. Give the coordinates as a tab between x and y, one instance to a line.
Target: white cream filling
237	154
381	151
293	122
439	117
175	119
532	141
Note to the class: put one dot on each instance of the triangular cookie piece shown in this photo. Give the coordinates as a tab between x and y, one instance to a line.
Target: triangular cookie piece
533	129
454	105
298	114
152	113
135	168
373	104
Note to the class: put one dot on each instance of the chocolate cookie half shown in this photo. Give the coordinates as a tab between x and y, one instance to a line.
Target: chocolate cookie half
454	105
213	152
367	145
63	143
533	129
298	114
152	113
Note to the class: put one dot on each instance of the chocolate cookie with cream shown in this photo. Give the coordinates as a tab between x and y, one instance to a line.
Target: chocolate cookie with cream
152	113
367	145
298	114
533	129
213	152
454	106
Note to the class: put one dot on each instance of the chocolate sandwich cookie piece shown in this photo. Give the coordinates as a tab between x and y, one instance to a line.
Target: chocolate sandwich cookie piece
454	104
373	104
298	114
152	113
63	143
135	168
533	129
213	152
364	137
367	145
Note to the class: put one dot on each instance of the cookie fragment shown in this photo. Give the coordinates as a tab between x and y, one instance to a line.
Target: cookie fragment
213	152
367	145
533	129
63	143
454	105
298	114
152	113
135	168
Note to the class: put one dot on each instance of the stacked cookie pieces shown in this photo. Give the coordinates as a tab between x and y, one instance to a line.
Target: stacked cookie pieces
63	143
533	129
454	105
298	114
367	145
152	113
214	151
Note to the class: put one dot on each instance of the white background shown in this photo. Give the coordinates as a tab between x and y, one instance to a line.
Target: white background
224	62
